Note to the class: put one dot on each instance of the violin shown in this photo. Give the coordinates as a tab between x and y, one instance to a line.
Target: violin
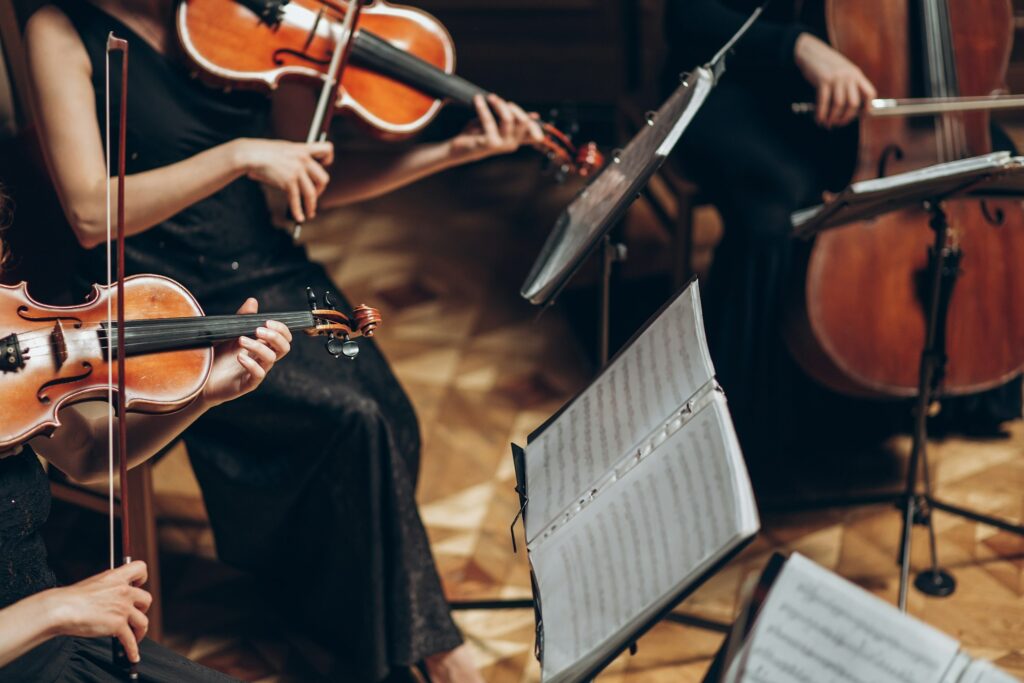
57	356
859	322
399	72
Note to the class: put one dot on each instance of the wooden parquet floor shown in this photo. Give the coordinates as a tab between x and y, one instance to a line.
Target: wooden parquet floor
444	261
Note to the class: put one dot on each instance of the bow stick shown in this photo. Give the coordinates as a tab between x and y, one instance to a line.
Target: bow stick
115	44
327	102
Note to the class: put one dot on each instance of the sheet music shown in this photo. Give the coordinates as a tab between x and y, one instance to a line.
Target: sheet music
653	377
627	555
980	671
816	627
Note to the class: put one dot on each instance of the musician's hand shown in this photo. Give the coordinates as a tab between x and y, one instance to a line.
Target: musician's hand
240	366
500	128
108	604
842	87
295	168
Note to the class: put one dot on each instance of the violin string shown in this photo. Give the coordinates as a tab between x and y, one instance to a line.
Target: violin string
150	337
178	324
137	339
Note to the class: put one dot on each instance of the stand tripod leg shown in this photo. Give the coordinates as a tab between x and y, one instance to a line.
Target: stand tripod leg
935	581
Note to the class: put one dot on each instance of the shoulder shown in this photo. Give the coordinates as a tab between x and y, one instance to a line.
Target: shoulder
49	21
49	33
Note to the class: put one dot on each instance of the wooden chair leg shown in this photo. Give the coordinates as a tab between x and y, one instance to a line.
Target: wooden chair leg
144	540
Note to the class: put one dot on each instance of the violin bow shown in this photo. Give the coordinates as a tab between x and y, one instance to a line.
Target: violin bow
327	101
117	399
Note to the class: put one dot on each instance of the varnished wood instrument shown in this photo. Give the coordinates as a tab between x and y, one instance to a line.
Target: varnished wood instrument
859	325
57	356
400	73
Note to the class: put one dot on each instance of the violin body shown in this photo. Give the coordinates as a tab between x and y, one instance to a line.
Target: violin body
400	72
56	356
220	37
63	357
859	323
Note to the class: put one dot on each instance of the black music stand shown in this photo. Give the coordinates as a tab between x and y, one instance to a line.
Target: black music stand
598	207
588	220
992	174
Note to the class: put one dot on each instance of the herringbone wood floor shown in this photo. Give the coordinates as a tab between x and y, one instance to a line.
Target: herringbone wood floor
444	261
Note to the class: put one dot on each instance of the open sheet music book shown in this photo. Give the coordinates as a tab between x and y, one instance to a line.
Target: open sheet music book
815	627
634	494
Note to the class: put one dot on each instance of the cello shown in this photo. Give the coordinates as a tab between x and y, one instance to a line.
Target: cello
858	325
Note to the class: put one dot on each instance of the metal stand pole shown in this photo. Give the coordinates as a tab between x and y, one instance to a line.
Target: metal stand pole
611	253
943	262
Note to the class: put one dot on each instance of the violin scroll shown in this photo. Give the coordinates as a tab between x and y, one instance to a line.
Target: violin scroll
367	319
340	328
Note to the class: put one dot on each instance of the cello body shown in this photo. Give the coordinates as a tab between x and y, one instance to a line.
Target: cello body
859	324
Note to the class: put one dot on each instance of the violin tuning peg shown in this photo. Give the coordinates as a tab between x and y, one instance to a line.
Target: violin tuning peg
346	347
311	298
327	300
350	349
335	346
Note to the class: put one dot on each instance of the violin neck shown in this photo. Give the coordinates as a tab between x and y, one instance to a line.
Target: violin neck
172	334
376	54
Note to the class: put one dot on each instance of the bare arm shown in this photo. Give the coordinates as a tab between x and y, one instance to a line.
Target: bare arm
369	175
71	139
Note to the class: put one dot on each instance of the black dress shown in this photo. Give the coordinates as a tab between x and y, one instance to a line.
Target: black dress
310	480
24	507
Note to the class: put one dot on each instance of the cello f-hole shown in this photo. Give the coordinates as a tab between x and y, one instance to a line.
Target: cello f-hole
890	152
995	217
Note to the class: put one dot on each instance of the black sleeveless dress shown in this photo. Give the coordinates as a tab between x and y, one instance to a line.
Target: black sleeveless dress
310	480
24	571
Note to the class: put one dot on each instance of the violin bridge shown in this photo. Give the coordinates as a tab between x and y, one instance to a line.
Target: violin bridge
59	343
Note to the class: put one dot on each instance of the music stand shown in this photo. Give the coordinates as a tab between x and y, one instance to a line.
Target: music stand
992	174
600	206
596	209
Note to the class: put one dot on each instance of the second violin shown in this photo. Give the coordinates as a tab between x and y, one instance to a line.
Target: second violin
401	70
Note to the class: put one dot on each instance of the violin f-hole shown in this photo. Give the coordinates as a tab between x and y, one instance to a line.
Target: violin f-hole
281	51
41	394
23	314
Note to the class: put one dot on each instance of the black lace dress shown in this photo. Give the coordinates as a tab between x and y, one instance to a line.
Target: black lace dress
309	481
24	571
